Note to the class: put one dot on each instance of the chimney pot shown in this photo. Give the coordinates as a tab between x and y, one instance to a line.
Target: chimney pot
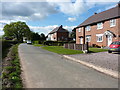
95	13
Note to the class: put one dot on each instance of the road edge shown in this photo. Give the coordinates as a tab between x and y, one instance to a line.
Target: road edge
98	68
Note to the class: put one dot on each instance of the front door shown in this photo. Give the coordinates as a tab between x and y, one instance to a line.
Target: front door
109	39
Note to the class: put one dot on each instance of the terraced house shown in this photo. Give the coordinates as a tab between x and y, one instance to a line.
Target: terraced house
58	34
100	29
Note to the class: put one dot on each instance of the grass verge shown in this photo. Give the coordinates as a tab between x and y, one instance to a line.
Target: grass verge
12	70
95	50
38	45
61	50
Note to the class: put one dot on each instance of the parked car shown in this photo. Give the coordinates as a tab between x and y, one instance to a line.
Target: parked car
114	47
29	42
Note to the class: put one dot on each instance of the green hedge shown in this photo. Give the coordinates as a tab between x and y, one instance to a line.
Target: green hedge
37	42
6	44
56	43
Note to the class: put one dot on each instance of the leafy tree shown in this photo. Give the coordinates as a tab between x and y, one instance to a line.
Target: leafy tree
35	36
17	30
42	36
73	34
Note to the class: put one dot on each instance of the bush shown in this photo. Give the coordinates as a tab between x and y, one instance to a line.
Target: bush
35	42
6	44
11	74
55	43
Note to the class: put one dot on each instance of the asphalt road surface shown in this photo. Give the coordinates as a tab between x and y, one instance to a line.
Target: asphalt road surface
44	69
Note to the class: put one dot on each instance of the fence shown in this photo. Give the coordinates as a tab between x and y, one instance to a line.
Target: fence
76	46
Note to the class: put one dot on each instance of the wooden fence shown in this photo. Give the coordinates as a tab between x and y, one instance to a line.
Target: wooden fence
76	46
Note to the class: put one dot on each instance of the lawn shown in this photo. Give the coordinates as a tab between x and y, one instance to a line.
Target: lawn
38	45
95	50
61	50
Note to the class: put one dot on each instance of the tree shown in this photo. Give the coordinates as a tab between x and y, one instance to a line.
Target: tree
35	36
42	37
73	34
17	30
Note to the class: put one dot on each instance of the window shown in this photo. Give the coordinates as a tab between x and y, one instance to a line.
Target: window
87	28
99	25
79	29
99	37
88	38
112	22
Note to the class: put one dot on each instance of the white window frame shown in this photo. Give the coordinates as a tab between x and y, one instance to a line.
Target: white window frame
89	38
100	25
99	35
112	22
88	28
79	29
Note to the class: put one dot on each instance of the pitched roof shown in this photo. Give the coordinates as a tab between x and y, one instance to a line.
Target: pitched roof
58	29
105	15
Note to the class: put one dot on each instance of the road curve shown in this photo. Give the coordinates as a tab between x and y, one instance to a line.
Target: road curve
44	69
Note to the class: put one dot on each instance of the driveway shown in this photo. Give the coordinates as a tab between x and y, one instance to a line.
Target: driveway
102	59
44	69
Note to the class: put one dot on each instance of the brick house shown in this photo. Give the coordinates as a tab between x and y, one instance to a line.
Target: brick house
58	34
100	29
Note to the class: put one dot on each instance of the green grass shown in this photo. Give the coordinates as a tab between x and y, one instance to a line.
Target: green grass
38	45
61	50
13	71
95	50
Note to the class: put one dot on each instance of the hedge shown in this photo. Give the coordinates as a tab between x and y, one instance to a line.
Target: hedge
6	44
56	43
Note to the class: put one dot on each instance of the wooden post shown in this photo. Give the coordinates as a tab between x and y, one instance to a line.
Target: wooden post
74	46
87	46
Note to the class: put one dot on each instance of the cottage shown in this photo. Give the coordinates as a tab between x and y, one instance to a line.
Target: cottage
58	34
100	29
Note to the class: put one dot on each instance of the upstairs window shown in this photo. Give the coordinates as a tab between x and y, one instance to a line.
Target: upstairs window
87	28
112	22
79	29
99	25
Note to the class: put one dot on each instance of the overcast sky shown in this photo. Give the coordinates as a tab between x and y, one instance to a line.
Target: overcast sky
44	15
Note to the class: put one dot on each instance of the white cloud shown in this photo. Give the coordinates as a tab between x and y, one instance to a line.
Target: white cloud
39	10
1	33
71	19
27	10
79	6
70	8
57	0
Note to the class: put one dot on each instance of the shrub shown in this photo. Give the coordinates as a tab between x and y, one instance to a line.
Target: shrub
35	42
6	44
10	68
55	43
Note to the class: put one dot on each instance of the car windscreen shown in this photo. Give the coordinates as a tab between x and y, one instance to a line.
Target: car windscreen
116	43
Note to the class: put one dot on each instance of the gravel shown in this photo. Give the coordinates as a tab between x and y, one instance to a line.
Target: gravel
102	59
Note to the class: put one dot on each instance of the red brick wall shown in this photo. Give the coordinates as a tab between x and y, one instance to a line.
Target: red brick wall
65	36
94	31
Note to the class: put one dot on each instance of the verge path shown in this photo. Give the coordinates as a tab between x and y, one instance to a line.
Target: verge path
44	69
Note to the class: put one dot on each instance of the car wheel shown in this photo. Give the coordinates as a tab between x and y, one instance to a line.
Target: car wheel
109	51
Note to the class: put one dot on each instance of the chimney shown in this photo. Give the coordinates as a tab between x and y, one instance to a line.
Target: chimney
95	13
118	4
61	26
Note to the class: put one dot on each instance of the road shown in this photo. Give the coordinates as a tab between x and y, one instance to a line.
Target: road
44	69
